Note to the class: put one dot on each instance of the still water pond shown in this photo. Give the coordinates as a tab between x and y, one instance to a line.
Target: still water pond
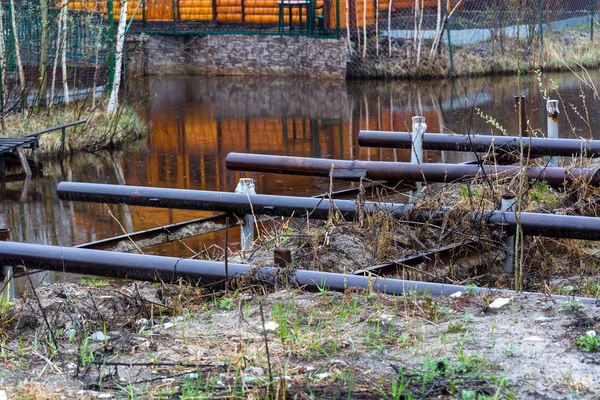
195	122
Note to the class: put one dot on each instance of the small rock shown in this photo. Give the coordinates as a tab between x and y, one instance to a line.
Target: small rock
99	336
386	319
568	289
322	375
257	371
193	375
271	326
249	378
533	339
70	333
168	325
543	319
105	396
456	295
591	333
310	368
71	365
499	303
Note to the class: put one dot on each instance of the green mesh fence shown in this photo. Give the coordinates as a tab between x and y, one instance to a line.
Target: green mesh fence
87	35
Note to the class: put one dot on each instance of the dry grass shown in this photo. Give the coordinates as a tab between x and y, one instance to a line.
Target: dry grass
99	132
563	50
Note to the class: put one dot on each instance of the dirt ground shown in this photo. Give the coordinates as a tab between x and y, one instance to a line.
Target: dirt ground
95	339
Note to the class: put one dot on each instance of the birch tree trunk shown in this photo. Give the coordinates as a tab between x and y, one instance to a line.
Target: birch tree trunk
438	26
113	102
18	53
420	41
63	18
55	63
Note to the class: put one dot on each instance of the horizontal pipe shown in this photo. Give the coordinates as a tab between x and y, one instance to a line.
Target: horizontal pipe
533	224
483	143
170	270
398	171
240	204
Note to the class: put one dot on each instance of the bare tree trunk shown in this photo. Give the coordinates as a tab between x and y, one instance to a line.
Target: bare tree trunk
43	54
438	26
421	12
3	92
348	26
377	27
416	12
55	63
113	101
18	53
95	81
364	28
63	17
390	28
440	32
358	44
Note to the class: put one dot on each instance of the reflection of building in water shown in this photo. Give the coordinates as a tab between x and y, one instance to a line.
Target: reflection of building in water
194	124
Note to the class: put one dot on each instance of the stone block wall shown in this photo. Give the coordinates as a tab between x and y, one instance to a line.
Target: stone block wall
237	55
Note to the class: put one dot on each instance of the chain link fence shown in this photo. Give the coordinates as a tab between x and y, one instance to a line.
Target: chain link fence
464	37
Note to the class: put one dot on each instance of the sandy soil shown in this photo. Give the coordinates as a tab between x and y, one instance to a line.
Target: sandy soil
98	340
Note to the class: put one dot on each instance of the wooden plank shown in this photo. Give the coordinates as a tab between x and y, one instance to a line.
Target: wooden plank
24	161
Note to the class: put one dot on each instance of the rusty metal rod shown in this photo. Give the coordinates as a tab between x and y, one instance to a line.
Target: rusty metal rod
170	270
483	143
161	234
237	203
533	224
399	171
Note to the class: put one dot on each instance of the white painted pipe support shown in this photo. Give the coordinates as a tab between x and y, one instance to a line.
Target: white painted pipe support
246	186
416	154
552	109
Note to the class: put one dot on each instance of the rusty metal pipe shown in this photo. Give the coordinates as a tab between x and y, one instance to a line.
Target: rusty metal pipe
240	204
170	270
533	224
483	143
398	171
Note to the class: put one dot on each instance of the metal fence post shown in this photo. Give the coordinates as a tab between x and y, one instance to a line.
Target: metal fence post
337	19
508	201
416	153
8	287
246	186
592	15
143	14
541	6
449	41
552	110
